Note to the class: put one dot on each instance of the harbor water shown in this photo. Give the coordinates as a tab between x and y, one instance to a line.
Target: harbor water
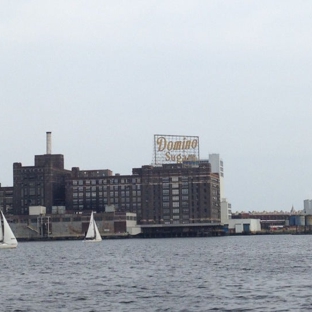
242	273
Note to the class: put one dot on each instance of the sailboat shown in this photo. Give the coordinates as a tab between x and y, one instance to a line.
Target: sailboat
93	234
7	237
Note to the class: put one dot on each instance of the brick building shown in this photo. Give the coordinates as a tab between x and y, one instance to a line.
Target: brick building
6	199
42	184
167	194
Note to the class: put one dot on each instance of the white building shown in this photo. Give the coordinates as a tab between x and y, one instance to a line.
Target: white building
226	211
307	206
244	225
217	167
131	223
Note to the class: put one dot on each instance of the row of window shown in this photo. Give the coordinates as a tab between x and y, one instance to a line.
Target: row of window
106	181
165	180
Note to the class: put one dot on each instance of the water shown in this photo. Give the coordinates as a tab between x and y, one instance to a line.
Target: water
246	273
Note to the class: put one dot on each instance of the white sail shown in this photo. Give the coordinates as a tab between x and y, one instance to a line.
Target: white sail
97	233
9	239
93	233
1	231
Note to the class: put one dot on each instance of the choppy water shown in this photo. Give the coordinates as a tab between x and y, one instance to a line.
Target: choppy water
246	273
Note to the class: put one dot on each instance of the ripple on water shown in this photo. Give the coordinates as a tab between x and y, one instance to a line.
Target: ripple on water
257	273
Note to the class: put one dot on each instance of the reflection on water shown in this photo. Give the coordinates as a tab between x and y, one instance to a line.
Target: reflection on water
246	273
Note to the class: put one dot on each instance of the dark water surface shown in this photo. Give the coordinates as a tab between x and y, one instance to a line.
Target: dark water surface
246	273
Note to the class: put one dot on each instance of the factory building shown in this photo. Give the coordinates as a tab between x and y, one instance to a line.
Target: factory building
176	189
40	185
167	194
87	190
178	194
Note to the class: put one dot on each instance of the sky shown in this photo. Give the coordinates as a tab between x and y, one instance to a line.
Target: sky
105	76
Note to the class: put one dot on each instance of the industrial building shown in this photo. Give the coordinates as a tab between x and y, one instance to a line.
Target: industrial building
167	194
244	226
179	190
42	184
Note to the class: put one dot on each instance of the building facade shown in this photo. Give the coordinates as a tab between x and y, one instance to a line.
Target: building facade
167	194
217	167
91	190
6	199
226	211
178	194
40	185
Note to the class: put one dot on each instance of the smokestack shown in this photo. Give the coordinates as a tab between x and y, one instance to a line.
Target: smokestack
48	142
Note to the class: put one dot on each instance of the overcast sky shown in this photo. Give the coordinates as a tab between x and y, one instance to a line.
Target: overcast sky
105	76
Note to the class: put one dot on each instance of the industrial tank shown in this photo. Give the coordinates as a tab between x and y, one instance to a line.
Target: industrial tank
300	220
308	220
292	220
